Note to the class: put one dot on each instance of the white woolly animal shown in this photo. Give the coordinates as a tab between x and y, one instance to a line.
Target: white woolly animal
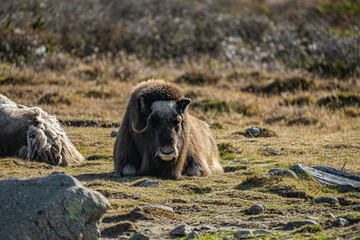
33	134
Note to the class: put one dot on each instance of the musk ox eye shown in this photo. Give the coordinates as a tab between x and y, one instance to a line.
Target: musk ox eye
177	120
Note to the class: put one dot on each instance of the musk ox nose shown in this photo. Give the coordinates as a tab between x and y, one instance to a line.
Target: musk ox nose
167	153
167	150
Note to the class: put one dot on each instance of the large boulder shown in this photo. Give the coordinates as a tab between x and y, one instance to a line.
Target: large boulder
330	176
53	207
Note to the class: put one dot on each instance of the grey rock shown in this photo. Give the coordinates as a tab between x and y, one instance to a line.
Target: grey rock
325	199
312	218
252	131
206	227
50	167
114	133
255	209
242	234
329	215
53	207
262	232
148	183
300	223
139	236
275	153
356	208
152	207
193	235
15	162
282	172
331	176
341	222
181	230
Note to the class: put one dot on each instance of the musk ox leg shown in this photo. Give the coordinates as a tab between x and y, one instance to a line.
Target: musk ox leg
128	170
191	168
126	159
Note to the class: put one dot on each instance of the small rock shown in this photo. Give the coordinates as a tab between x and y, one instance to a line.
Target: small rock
297	224
329	215
193	235
139	236
312	218
152	207
148	183
15	162
177	200
206	227
275	153
325	199
114	133
341	222
262	232
226	238
356	208
135	197
252	131
242	234
181	230
282	172
255	209
50	167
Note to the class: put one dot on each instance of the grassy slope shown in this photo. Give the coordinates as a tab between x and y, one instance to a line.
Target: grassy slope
218	201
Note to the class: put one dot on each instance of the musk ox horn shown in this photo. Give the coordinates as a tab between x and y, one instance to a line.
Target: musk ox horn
138	131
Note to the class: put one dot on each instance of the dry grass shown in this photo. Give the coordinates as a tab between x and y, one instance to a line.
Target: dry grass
219	201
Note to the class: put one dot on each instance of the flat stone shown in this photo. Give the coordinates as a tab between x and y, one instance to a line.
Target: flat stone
114	133
329	215
312	218
282	172
206	227
181	230
356	208
300	223
152	207
331	176
139	236
262	232
255	209
50	167
242	234
341	222
52	207
325	199
148	183
193	235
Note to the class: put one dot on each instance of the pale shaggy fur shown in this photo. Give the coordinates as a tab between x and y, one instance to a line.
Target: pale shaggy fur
33	134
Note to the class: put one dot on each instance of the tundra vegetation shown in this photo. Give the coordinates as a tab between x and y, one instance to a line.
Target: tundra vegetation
289	68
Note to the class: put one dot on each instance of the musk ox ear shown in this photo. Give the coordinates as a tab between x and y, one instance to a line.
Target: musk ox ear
182	104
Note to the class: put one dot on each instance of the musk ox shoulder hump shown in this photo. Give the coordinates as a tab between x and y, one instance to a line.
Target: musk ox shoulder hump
154	90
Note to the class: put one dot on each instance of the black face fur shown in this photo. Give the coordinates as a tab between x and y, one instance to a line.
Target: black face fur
166	130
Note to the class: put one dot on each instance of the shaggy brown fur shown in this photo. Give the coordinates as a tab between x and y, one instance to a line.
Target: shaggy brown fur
134	152
33	134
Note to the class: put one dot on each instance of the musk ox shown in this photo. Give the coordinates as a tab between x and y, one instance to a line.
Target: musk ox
33	134
158	136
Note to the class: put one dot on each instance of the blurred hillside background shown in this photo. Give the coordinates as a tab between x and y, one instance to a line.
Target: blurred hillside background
320	37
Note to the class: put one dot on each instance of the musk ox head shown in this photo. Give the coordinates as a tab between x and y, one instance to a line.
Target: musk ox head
165	129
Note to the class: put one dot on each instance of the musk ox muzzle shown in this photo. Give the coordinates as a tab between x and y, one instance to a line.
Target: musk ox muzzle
167	153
